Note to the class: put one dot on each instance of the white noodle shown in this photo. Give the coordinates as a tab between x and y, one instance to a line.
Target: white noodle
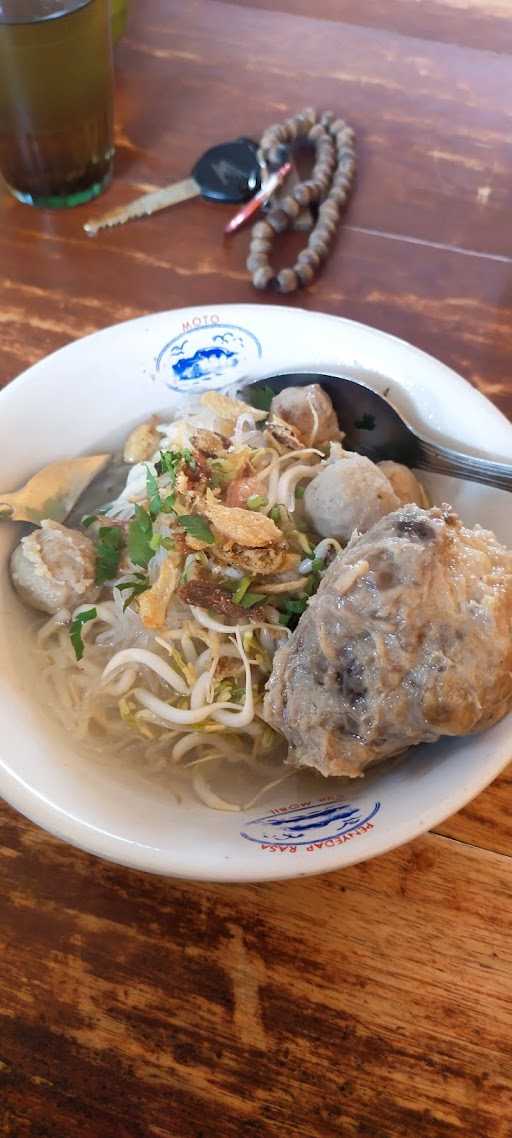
245	432
61	617
268	786
123	684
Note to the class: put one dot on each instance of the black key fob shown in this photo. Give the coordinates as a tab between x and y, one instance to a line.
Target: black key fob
229	172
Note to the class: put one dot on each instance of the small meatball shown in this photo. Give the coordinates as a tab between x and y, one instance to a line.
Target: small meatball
54	568
310	411
404	483
142	442
348	494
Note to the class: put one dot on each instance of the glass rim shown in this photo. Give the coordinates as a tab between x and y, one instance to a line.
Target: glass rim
38	11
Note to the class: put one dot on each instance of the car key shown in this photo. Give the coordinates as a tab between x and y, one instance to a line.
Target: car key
229	172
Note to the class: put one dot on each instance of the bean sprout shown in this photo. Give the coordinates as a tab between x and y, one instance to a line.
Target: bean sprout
320	550
284	586
149	660
207	621
201	691
210	798
163	711
314	416
290	479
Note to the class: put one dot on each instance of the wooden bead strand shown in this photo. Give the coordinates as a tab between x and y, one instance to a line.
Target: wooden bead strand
327	189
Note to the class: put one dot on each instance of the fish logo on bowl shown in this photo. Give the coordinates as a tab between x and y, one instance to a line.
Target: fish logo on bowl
310	824
208	357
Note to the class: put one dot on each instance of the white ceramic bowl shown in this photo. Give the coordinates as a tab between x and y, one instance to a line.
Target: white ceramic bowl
76	399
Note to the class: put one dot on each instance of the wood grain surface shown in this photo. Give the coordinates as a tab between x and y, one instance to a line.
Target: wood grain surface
375	1002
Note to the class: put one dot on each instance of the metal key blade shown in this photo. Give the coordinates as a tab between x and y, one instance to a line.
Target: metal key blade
145	205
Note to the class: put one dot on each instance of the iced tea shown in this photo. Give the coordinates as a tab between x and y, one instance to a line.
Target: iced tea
56	99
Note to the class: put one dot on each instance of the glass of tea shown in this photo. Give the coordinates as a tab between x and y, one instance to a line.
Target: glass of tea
56	100
119	18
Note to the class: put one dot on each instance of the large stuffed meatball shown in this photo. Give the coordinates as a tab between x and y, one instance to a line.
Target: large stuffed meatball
408	638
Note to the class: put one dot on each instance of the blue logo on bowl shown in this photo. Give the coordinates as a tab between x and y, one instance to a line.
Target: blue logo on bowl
208	357
308	824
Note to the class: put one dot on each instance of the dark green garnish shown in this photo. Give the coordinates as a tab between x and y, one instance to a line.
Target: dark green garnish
160	542
241	590
75	630
169	463
291	610
138	585
196	527
154	499
275	514
260	397
140	532
188	457
255	502
109	545
300	491
296	606
168	504
312	583
88	520
251	599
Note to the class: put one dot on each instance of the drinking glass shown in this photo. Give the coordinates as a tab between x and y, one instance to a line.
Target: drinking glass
56	100
119	17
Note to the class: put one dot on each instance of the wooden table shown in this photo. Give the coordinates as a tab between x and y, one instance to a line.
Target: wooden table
374	1002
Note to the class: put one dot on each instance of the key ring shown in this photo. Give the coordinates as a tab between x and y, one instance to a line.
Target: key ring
327	189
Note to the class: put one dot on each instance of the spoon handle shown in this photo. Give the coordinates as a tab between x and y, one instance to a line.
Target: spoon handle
443	460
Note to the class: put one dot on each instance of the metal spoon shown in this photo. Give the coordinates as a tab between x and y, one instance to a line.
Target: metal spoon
374	428
53	491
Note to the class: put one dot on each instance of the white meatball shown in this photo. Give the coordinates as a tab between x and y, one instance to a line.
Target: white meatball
310	411
350	493
404	483
54	568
